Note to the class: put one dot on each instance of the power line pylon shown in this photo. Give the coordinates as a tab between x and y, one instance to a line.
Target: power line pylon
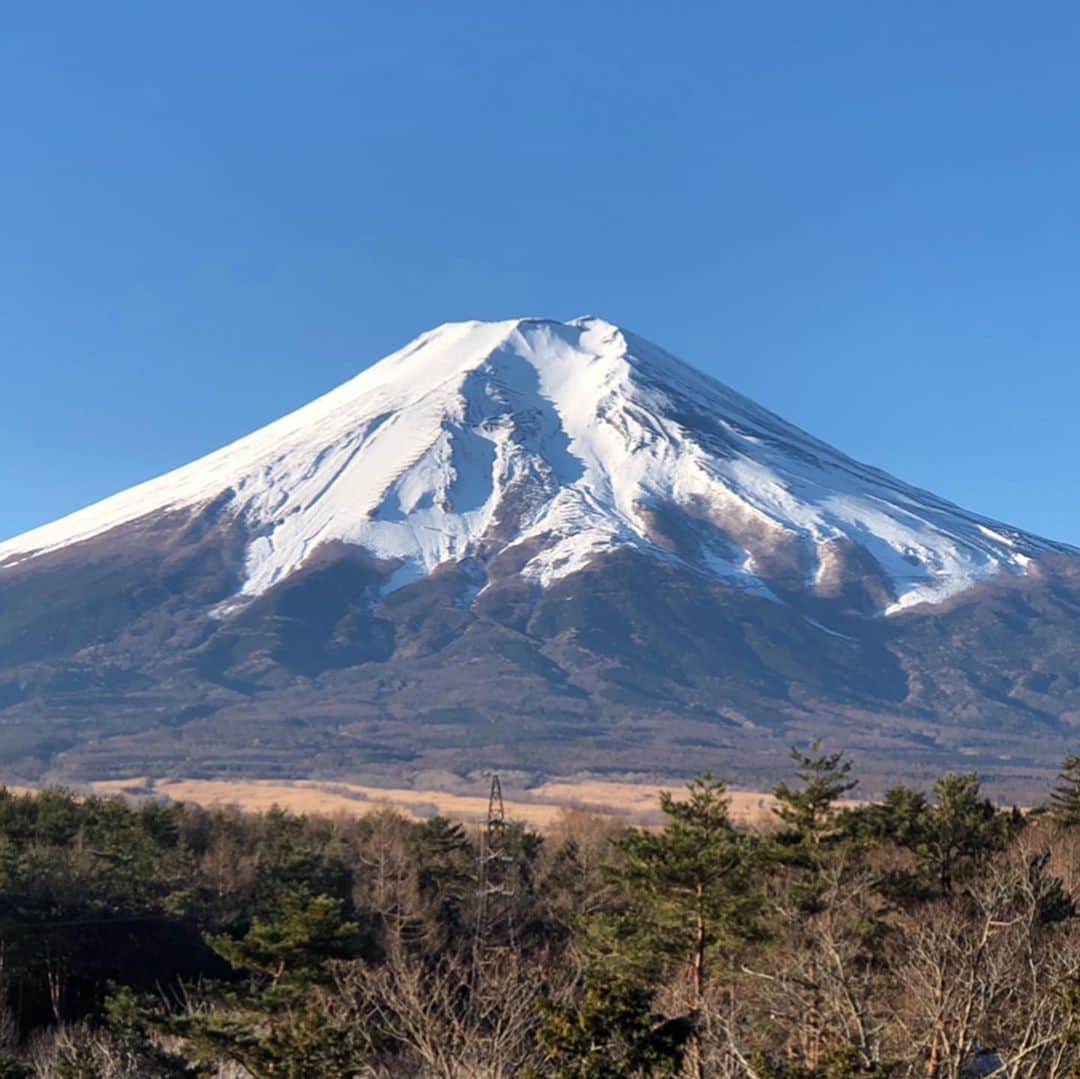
497	882
495	957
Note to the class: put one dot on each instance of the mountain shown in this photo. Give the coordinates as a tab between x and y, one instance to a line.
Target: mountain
540	546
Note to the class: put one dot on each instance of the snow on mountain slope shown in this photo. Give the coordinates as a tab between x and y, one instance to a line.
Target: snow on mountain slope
579	437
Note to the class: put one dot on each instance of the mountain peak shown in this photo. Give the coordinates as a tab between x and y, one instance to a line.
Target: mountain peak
563	441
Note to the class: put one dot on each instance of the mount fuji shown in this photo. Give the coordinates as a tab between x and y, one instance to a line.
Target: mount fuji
542	546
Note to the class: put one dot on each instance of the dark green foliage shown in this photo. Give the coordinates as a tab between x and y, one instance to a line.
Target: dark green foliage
962	830
167	941
1065	797
291	947
687	891
612	1032
266	1037
809	809
901	817
1053	904
949	838
446	877
688	886
816	826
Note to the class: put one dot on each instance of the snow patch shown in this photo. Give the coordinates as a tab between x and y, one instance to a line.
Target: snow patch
481	436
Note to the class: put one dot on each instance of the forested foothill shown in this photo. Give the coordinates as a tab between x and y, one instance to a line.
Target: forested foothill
930	934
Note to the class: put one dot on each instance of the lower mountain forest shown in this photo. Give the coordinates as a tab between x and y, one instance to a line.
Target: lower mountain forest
925	935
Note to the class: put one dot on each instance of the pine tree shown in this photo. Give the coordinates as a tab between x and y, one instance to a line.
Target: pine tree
292	946
963	829
808	810
1065	797
612	1032
814	849
688	886
274	1026
446	865
905	811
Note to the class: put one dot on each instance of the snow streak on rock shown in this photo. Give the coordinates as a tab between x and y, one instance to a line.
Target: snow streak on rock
575	438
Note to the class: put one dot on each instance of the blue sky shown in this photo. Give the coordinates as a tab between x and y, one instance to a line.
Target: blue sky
865	216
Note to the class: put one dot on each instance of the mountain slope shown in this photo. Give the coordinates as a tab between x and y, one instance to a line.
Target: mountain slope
555	522
479	436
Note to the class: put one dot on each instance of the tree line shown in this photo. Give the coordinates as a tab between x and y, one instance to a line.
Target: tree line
930	934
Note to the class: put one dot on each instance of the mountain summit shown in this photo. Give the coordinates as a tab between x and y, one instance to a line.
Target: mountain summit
538	545
574	439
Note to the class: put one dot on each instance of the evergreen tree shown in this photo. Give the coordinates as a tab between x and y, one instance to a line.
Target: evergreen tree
809	809
274	1027
822	853
612	1032
446	871
290	947
900	817
688	886
1065	797
963	829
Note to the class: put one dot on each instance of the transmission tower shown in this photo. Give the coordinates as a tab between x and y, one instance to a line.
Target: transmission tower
497	880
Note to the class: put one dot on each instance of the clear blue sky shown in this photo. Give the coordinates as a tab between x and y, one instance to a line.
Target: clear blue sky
864	215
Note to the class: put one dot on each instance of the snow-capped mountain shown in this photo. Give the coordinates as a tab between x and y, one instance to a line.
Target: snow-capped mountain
576	438
541	546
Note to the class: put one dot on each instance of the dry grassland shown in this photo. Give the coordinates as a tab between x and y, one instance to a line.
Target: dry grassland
540	806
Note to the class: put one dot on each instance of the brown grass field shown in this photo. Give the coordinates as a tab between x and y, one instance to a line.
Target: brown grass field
540	807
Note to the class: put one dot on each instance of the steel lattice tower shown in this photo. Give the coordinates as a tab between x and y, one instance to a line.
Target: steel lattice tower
497	880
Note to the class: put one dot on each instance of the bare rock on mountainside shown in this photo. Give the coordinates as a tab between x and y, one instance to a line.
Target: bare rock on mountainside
543	546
